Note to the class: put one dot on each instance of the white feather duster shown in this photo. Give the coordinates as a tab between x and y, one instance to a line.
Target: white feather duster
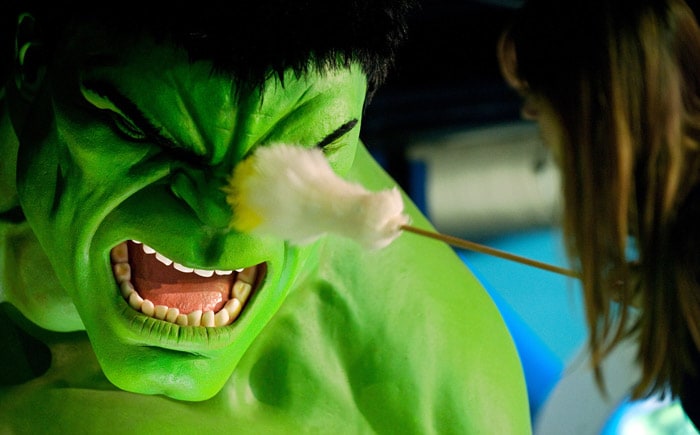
292	193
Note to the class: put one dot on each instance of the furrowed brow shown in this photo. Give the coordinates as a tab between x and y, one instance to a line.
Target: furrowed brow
130	110
337	133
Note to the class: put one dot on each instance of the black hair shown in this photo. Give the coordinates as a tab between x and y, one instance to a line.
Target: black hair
252	39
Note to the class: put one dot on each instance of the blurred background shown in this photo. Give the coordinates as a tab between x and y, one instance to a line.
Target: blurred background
448	129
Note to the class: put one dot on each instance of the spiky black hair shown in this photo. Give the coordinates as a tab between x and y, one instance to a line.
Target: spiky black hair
253	39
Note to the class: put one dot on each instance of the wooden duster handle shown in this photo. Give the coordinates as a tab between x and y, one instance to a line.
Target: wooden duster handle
465	244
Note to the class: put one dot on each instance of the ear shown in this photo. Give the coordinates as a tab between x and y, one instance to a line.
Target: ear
30	57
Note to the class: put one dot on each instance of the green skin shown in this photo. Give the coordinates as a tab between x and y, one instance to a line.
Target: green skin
402	339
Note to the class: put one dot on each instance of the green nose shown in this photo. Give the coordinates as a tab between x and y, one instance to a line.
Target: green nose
202	191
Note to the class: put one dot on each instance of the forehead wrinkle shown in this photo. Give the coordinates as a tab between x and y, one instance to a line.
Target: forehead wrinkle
274	111
301	90
212	127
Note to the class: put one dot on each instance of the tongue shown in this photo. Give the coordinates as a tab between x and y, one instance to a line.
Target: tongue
164	285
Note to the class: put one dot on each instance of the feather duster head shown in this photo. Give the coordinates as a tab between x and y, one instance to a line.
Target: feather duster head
292	193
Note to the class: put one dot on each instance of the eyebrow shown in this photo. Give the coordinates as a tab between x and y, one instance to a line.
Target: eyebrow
132	111
340	131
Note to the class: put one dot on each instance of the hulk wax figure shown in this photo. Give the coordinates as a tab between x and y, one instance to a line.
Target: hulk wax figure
119	130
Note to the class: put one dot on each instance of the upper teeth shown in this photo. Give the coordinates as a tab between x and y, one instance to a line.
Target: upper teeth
168	262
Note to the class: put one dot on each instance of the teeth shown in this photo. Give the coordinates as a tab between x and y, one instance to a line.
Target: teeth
161	312
241	290
120	254
194	318
228	314
222	318
208	318
233	306
204	273
148	308
182	268
163	259
172	315
127	288
122	272
135	300
248	275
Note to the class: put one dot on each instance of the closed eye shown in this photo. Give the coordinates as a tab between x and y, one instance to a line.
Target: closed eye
126	118
127	128
337	133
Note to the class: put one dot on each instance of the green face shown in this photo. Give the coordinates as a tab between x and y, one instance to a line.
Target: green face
121	166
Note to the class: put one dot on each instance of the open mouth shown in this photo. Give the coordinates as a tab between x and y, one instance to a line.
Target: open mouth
166	290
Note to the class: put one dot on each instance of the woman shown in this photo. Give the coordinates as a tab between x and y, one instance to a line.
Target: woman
615	87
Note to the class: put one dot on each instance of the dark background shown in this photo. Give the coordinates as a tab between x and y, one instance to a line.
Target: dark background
446	79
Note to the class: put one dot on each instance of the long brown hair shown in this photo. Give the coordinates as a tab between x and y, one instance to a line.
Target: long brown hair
623	77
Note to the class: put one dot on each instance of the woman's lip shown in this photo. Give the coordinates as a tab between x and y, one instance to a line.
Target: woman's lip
173	292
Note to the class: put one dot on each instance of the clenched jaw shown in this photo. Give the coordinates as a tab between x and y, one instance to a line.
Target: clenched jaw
166	290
